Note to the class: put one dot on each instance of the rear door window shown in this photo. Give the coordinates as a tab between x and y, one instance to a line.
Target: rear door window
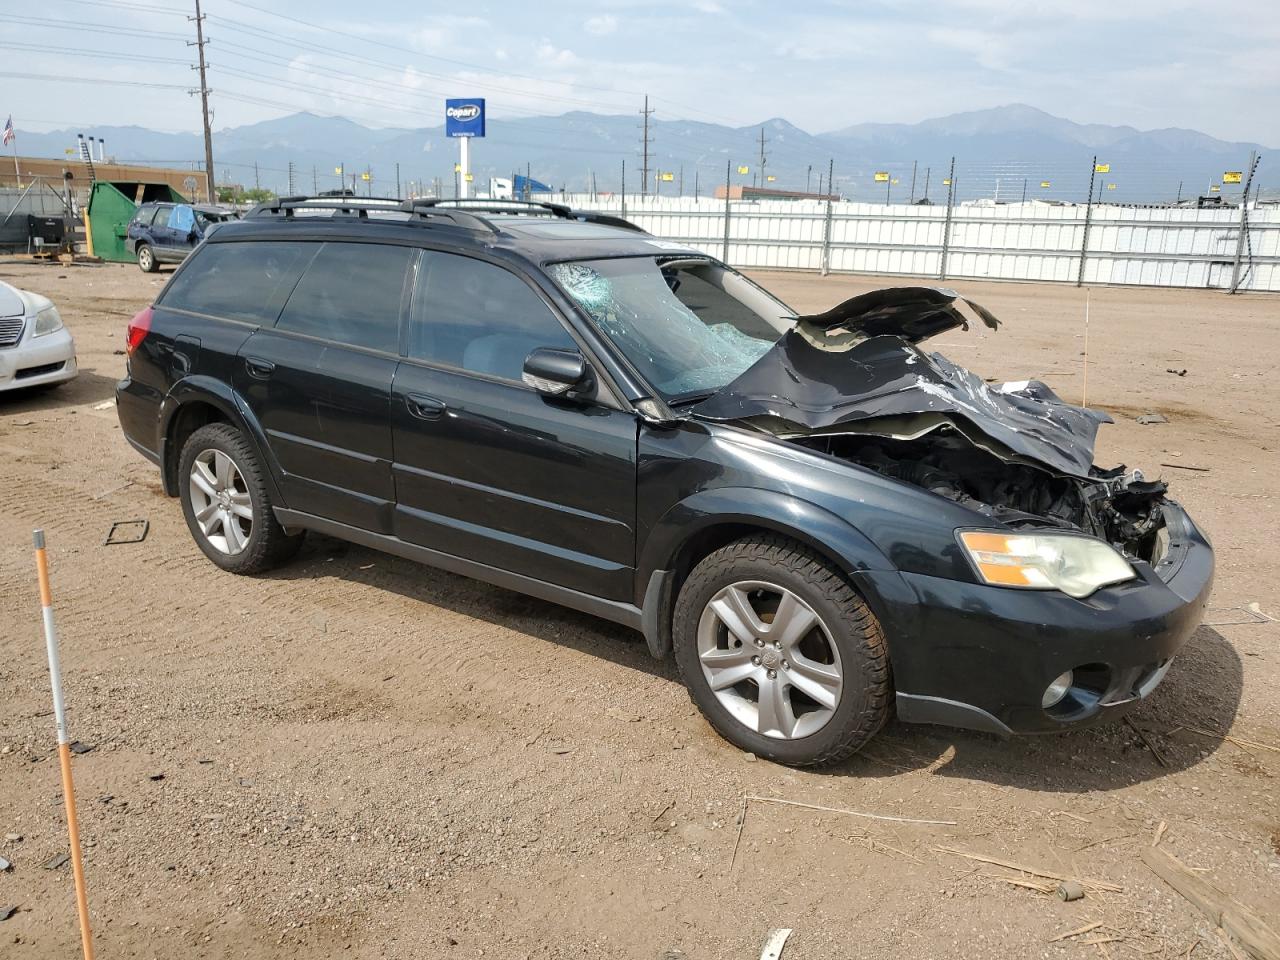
144	214
247	281
161	216
479	317
351	294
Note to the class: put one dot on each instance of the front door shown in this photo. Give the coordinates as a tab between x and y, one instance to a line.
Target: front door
320	382
489	470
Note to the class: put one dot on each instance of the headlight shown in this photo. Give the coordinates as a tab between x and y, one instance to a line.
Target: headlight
48	320
1045	561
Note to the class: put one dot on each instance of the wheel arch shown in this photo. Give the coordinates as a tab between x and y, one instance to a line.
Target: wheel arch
196	401
709	520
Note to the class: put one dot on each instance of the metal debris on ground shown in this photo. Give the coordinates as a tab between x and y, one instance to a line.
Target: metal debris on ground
158	775
57	861
7	912
1149	418
775	943
1180	373
79	746
5	865
1186	466
1070	890
140	530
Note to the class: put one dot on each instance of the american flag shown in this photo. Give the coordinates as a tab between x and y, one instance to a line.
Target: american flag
9	135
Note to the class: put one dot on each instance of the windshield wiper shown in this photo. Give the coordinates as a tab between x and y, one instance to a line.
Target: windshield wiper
690	398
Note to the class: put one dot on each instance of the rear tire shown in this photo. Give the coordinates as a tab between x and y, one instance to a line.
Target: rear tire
802	678
224	497
147	261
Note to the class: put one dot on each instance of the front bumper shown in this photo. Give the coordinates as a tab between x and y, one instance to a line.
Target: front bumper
976	656
38	360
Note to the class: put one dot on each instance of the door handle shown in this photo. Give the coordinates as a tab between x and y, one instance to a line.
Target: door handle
423	407
258	368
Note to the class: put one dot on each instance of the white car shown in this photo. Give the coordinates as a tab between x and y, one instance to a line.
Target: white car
35	348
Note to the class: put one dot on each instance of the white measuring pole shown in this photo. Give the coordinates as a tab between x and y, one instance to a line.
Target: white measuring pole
64	742
464	160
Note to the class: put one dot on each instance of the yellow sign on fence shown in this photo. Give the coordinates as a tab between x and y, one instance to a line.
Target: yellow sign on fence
1045	184
744	169
946	182
1111	186
668	177
338	171
771	178
364	177
882	176
1232	176
1102	168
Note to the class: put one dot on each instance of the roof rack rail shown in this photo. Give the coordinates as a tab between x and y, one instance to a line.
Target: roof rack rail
606	220
486	205
359	207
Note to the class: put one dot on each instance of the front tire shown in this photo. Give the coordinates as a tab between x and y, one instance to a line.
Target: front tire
147	261
780	654
225	501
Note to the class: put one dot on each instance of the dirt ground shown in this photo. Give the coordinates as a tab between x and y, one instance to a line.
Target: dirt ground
356	756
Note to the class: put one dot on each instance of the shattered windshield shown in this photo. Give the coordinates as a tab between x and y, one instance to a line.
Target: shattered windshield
689	326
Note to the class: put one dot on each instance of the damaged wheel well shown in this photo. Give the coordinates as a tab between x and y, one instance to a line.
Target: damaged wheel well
189	418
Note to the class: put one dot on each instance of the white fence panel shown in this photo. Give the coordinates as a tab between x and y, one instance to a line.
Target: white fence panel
1147	246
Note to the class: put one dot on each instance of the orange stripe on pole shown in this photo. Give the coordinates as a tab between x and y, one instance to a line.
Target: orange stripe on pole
42	573
77	865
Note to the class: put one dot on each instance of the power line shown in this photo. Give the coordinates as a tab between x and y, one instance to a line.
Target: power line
94	27
104	54
57	78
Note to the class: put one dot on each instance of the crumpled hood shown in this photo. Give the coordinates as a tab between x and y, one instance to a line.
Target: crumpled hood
845	372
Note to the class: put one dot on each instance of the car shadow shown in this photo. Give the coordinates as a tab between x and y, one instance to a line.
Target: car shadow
1202	690
88	387
551	622
1199	696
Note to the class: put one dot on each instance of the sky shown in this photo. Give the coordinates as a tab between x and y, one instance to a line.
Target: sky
822	65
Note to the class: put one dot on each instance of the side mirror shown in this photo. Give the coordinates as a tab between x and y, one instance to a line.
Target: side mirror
556	373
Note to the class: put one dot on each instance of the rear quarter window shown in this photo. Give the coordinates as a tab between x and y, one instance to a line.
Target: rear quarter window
247	281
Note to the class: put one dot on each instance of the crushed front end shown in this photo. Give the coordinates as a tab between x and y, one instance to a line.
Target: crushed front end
1055	629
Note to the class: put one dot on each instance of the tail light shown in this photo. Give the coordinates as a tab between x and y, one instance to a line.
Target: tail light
139	327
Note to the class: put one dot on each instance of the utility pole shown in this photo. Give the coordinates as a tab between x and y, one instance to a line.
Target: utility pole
204	103
257	183
644	147
695	183
927	172
397	180
315	181
624	188
762	158
808	175
292	191
682	179
913	180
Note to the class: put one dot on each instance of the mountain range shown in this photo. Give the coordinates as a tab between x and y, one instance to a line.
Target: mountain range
1005	151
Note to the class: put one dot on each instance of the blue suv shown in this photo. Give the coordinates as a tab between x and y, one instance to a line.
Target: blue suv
167	232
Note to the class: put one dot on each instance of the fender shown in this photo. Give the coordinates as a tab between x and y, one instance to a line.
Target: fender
879	582
807	522
219	394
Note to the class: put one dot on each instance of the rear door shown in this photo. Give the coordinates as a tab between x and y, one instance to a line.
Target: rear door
159	235
486	468
320	381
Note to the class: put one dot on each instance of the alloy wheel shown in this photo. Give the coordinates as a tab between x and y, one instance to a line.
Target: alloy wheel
220	501
769	659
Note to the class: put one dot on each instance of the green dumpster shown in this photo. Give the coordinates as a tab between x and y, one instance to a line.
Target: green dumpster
112	205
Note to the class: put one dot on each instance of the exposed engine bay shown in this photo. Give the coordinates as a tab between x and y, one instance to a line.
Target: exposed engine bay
853	384
1118	506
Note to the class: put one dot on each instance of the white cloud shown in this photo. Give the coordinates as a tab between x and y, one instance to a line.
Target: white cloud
602	25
